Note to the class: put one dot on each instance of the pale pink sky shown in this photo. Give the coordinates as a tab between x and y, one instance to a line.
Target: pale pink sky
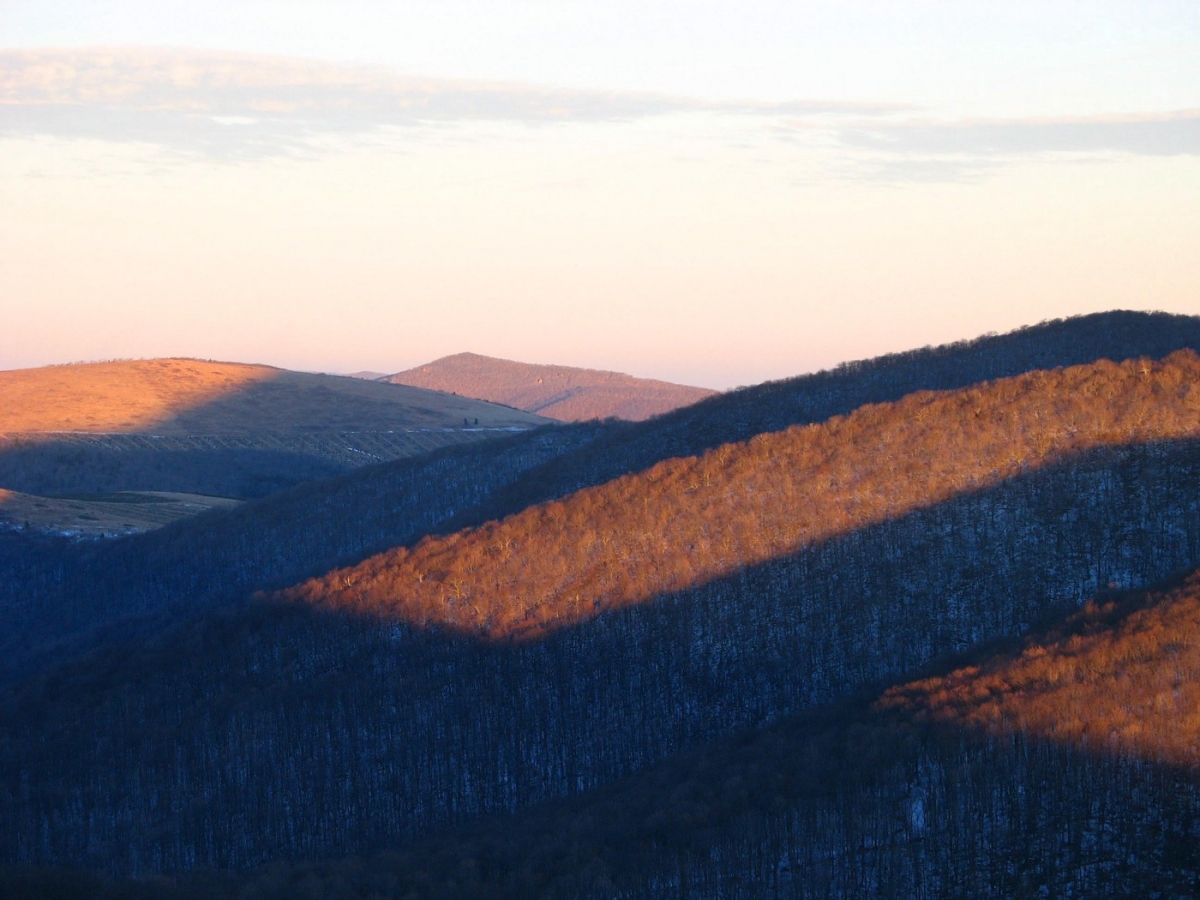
714	199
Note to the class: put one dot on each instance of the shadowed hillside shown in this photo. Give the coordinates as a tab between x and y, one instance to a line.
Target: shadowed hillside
559	392
56	592
221	429
743	504
960	785
343	724
101	515
853	800
773	406
175	397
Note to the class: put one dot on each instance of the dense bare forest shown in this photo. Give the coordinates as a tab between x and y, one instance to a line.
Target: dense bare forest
54	590
892	649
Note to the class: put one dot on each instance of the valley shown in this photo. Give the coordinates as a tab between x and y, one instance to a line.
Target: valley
917	626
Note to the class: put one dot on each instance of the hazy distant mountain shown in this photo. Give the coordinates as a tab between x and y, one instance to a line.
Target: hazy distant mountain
559	392
367	375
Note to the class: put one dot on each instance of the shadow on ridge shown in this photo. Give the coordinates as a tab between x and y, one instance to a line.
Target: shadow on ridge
775	405
217	428
57	596
320	733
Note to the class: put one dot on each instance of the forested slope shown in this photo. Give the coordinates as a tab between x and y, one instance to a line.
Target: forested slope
742	505
55	592
1068	767
45	576
740	414
323	721
960	784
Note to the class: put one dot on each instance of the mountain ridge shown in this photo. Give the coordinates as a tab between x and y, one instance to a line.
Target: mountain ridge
599	527
774	567
427	728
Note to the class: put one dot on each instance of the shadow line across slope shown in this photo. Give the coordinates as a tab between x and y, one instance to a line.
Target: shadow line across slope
358	731
217	428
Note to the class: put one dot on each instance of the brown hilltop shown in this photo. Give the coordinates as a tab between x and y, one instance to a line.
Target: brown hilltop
559	392
690	520
190	397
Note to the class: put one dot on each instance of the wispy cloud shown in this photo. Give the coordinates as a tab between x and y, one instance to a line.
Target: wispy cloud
1159	134
924	150
240	104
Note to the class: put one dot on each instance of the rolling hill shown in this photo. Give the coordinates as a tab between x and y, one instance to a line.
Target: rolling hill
559	392
773	406
710	654
59	592
188	397
385	701
220	429
565	562
102	515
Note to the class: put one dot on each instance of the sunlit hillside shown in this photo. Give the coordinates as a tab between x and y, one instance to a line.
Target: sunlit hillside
223	429
1121	677
174	397
741	505
700	599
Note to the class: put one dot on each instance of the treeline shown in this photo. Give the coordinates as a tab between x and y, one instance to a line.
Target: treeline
54	592
282	731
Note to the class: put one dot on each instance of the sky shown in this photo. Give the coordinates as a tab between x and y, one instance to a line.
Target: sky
713	193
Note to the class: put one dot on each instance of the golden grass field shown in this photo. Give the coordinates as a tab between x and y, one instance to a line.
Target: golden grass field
188	397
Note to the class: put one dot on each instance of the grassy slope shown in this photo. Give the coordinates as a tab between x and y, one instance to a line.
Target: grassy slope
223	429
190	397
